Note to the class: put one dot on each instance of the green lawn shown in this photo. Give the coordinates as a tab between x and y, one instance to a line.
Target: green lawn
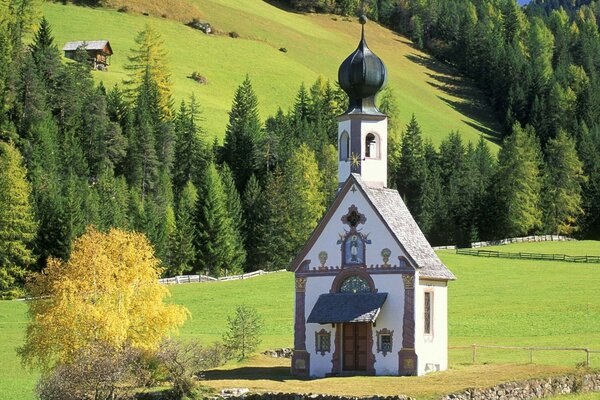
494	301
588	396
316	46
577	248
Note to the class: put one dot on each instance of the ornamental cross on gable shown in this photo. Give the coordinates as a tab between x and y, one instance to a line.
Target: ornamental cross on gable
353	218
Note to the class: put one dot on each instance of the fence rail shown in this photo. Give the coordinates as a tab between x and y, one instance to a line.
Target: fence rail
529	256
530	349
523	239
205	278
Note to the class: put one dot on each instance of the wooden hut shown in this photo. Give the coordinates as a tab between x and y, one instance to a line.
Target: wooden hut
98	51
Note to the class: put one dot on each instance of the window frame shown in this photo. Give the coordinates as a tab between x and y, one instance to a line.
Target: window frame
344	146
372	145
428	313
325	334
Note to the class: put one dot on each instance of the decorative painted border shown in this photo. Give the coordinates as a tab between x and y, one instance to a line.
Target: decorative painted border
384	332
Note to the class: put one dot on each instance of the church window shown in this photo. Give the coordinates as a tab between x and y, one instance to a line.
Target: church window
384	341
428	313
344	146
355	284
371	146
323	342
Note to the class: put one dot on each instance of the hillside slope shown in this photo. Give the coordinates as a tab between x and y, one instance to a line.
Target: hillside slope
316	45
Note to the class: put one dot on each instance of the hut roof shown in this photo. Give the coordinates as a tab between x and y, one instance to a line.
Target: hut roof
88	45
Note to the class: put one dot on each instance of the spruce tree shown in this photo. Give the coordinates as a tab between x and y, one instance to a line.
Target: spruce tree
328	168
243	131
233	204
304	195
589	153
251	204
411	169
190	159
182	257
518	182
17	224
215	235
563	177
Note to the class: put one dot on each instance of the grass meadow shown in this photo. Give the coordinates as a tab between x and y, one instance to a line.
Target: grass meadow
316	45
493	302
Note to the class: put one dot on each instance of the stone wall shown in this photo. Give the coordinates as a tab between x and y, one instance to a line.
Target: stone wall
531	389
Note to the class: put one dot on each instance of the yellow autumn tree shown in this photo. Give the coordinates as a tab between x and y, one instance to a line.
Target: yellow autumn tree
106	292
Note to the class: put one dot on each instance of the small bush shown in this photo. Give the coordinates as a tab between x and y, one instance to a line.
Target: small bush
244	331
199	78
283	49
234	35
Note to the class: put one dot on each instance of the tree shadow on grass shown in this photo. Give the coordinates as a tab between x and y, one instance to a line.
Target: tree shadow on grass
465	97
276	373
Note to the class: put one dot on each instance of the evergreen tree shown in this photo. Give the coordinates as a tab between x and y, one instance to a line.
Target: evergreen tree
149	58
482	168
243	131
589	151
189	147
411	169
251	203
183	248
17	224
563	177
328	167
433	209
113	199
233	204
518	182
304	194
216	236
272	227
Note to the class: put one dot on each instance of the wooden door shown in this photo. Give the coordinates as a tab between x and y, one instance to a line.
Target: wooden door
355	347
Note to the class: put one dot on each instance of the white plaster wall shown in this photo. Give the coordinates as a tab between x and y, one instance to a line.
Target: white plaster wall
374	170
378	234
432	349
390	317
319	364
343	165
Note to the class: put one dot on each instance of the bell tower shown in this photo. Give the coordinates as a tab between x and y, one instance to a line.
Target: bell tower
362	129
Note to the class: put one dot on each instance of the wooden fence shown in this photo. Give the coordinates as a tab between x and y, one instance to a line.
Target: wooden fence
529	256
531	350
524	239
205	278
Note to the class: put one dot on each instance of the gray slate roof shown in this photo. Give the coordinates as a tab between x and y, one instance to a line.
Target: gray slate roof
89	45
332	308
402	225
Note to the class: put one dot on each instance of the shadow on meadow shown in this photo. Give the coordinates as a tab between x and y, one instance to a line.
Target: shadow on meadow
274	373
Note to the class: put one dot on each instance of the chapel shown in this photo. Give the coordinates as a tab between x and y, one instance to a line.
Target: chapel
370	292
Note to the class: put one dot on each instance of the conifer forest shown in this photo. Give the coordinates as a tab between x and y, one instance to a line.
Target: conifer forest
75	154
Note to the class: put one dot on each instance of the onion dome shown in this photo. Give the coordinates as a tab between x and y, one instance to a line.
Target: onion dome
361	76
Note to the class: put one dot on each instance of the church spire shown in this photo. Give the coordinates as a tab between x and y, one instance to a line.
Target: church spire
362	129
361	76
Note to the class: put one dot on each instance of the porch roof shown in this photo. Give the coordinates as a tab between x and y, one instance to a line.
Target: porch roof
334	308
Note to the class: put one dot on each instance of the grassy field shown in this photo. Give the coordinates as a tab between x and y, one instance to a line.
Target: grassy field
494	302
578	248
316	45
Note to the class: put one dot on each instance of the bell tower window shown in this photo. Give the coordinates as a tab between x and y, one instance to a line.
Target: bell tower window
371	146
344	148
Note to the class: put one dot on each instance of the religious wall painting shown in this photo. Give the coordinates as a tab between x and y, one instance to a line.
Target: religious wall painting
353	241
385	256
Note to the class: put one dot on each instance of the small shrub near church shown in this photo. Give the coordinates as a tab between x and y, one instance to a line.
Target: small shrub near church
244	332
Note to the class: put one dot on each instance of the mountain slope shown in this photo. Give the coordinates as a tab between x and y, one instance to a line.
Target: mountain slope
316	45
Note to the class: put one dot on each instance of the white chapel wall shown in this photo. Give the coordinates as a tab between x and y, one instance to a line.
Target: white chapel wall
374	169
319	364
391	317
432	350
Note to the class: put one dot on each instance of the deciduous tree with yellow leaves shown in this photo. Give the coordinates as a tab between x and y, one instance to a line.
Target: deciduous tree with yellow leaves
107	292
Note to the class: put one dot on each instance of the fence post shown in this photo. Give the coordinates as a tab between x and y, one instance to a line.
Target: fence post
474	352
530	355
587	358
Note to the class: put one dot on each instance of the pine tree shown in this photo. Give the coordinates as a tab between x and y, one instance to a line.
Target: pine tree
411	170
328	168
150	58
113	201
589	153
273	225
182	257
215	240
233	205
434	209
251	203
482	168
518	182
563	177
304	195
17	224
190	159
243	131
